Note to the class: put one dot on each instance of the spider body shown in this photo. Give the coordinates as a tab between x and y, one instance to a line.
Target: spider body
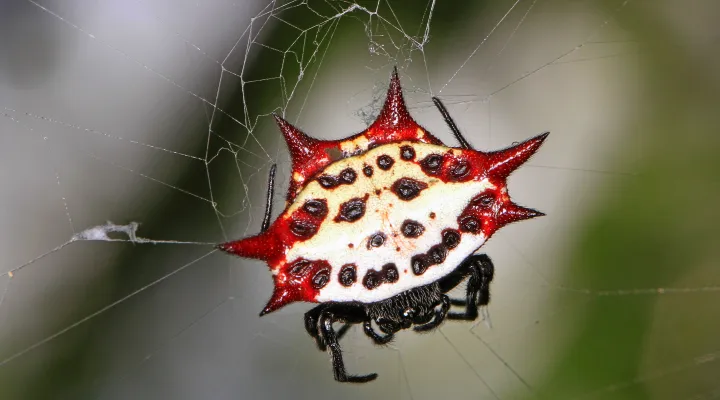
380	226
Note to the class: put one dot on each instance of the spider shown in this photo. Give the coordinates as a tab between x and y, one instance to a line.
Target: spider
370	232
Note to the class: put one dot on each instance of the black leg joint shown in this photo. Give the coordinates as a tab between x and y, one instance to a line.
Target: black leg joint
376	337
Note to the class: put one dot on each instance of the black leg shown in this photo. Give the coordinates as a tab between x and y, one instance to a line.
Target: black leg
459	274
311	325
269	199
448	120
481	271
487	272
470	302
343	330
376	337
439	317
329	337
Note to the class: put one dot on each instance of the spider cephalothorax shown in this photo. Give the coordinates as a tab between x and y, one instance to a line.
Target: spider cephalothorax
379	226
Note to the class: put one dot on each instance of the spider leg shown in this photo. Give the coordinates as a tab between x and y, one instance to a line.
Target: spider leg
269	199
312	318
451	280
343	330
487	271
330	338
470	303
376	337
458	302
439	317
449	121
311	326
481	271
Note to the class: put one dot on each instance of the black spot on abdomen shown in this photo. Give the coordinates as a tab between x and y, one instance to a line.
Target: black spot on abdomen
408	188
451	238
390	273
316	207
348	275
300	268
470	224
348	176
321	278
303	229
376	240
407	153
460	170
431	164
437	254
372	279
412	229
419	264
368	170
328	181
385	162
352	210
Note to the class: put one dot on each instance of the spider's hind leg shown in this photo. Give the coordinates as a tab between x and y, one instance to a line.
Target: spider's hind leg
481	270
330	338
319	324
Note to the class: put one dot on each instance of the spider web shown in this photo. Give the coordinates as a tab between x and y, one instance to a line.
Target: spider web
137	134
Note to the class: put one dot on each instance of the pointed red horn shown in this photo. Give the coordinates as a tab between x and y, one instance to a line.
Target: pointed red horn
512	213
302	147
503	162
282	296
394	113
264	247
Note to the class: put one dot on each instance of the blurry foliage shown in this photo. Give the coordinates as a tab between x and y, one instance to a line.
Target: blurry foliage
660	225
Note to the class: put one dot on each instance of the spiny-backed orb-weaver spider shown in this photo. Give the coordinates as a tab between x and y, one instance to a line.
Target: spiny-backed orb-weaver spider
378	227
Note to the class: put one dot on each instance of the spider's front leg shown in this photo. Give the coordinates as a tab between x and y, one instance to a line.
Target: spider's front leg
481	271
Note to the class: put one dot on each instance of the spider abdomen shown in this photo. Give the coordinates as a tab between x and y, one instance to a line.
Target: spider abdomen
381	223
